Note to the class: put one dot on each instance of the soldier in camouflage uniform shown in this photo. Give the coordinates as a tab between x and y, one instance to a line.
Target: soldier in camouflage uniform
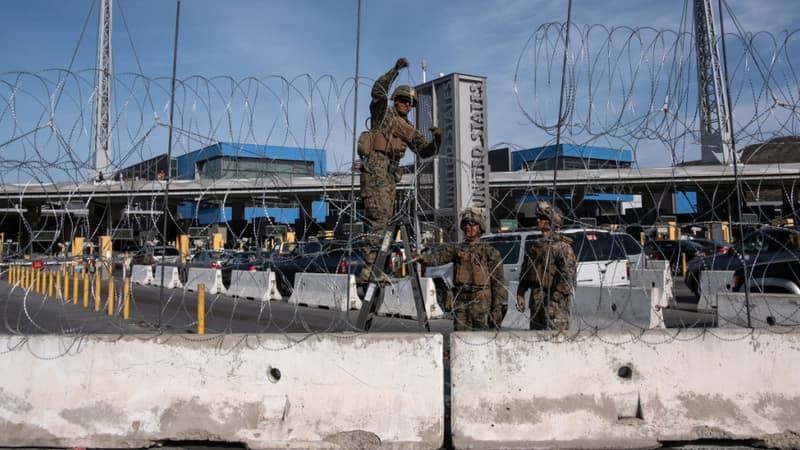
477	276
381	149
549	271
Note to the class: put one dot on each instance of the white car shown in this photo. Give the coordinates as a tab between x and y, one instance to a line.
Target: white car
602	260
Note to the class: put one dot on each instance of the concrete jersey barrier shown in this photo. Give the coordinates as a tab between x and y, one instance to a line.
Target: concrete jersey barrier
601	308
325	290
619	389
256	285
398	299
766	310
267	391
172	277
713	282
211	278
142	274
656	278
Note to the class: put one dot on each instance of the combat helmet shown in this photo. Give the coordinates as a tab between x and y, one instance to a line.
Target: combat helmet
549	212
474	214
407	91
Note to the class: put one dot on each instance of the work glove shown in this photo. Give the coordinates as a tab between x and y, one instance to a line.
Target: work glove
437	136
521	303
400	64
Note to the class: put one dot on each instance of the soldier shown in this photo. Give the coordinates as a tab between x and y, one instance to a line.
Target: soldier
549	272
381	149
477	275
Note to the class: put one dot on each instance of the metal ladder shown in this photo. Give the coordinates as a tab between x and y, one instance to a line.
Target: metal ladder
373	298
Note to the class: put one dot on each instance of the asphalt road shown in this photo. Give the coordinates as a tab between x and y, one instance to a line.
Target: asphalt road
175	311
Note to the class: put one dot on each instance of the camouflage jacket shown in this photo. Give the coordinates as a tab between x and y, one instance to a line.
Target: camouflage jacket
550	265
397	132
475	266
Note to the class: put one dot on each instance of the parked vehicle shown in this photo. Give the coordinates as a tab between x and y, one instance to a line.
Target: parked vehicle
156	255
674	251
713	246
775	275
602	260
633	250
760	246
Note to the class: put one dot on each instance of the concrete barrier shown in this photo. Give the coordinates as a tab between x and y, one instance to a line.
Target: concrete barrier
325	290
624	390
266	391
398	299
766	310
596	307
656	278
211	278
142	275
255	285
172	278
711	283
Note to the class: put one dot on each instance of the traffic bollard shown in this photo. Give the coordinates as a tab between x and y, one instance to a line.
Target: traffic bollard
201	308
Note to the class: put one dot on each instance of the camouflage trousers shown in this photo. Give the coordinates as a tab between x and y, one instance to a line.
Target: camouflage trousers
549	313
378	189
471	311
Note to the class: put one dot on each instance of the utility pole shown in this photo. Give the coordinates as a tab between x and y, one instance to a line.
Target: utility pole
102	131
715	123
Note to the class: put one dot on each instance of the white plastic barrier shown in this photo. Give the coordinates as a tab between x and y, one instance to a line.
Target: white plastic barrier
711	283
325	290
211	278
398	299
622	389
172	278
595	307
256	285
515	320
266	391
766	310
142	274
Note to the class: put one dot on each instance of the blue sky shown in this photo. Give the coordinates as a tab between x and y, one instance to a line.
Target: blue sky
259	38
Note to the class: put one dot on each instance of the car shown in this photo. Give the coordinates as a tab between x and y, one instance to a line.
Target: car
633	250
713	246
156	255
675	251
771	276
602	260
764	244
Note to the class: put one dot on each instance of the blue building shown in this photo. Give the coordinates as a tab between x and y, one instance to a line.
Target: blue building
233	160
570	157
225	160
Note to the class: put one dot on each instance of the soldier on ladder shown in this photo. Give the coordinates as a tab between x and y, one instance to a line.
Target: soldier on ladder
380	150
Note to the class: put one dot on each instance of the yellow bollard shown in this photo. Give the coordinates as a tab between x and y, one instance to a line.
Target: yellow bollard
110	296
201	308
126	298
74	288
66	285
49	283
11	275
683	264
96	291
85	290
38	283
58	284
27	277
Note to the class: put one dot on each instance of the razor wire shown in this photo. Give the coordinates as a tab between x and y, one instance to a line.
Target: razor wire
627	88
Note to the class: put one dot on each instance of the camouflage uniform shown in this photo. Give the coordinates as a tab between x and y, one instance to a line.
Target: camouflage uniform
381	150
478	280
549	271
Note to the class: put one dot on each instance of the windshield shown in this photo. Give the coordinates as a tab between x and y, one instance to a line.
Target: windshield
596	246
508	246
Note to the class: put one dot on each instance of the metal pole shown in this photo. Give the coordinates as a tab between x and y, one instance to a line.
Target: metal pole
165	214
353	153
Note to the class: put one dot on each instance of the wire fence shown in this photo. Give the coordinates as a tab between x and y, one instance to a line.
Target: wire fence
668	224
